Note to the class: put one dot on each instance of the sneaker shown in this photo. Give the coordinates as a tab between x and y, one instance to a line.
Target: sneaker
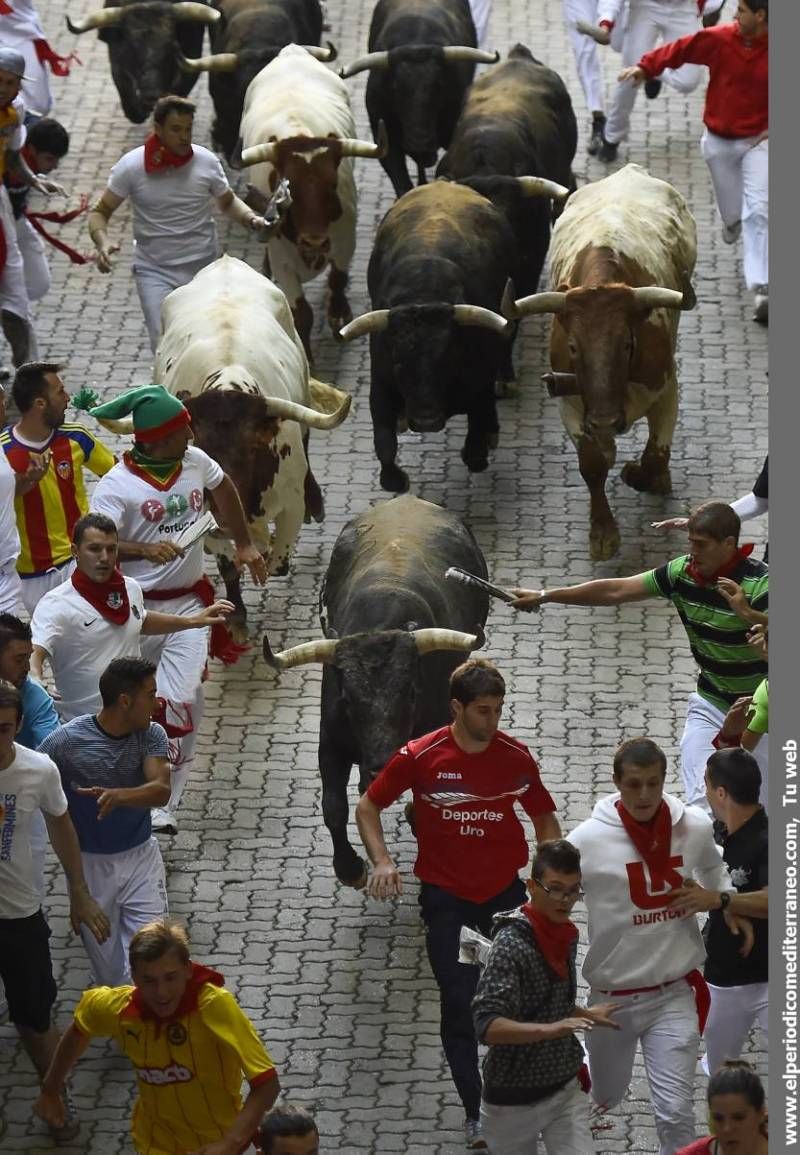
761	311
68	1132
596	138
163	821
473	1136
652	88
607	151
731	233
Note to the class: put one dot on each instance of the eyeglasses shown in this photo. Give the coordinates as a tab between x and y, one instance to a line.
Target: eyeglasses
559	895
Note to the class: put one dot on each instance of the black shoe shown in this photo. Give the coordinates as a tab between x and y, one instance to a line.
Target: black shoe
652	88
596	139
607	151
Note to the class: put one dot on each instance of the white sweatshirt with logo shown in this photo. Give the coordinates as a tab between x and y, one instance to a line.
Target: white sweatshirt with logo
634	940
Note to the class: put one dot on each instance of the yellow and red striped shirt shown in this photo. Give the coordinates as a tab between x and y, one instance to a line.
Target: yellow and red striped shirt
46	514
189	1069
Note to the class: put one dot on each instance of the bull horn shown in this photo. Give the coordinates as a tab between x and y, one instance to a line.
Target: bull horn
436	639
561	384
541	303
326	54
462	52
199	13
374	322
538	186
654	297
507	306
481	318
219	62
374	151
292	411
364	63
102	19
259	153
320	651
328	399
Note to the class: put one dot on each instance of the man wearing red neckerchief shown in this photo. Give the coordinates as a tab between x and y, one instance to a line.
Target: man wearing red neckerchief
525	1010
638	848
719	591
189	1043
170	182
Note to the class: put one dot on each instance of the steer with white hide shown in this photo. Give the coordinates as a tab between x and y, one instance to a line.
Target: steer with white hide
230	351
298	125
394	632
621	260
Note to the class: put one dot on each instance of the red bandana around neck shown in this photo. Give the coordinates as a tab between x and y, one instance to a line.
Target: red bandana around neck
742	553
554	939
653	840
157	156
199	977
110	598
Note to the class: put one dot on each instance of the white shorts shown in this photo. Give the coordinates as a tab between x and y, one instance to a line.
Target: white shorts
10	589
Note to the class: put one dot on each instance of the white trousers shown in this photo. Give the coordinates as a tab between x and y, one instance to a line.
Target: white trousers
33	589
131	887
740	175
481	10
13	294
562	1121
649	20
733	1012
664	1022
10	589
585	52
703	723
34	260
155	282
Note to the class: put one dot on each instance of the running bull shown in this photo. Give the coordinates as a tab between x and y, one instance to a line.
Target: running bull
621	261
394	632
421	61
436	277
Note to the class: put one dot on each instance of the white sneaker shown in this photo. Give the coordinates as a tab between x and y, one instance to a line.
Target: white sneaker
761	311
731	233
163	821
473	1135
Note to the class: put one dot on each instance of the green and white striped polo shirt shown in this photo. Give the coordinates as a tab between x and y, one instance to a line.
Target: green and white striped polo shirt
729	668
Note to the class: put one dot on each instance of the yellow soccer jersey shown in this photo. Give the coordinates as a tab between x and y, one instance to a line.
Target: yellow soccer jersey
189	1068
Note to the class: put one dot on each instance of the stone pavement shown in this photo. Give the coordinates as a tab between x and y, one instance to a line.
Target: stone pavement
339	986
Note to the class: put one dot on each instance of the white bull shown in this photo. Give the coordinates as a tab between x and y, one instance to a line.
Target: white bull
298	125
230	351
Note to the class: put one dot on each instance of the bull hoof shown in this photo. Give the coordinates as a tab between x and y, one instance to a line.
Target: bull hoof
646	481
604	541
393	479
280	570
475	464
508	388
338	319
356	880
493	440
237	628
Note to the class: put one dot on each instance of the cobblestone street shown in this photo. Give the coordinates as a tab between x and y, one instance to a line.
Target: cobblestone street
338	986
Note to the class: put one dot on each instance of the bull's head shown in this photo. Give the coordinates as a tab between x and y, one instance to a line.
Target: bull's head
311	166
419	343
598	330
420	76
377	678
145	39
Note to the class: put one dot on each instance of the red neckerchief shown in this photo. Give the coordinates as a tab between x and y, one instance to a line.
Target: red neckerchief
109	598
653	839
553	939
145	474
222	645
157	156
137	1008
742	552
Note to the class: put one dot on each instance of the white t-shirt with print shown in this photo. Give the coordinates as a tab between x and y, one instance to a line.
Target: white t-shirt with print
143	513
9	537
81	643
30	783
173	219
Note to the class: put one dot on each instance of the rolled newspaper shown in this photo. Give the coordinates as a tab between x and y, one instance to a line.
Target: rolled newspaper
473	947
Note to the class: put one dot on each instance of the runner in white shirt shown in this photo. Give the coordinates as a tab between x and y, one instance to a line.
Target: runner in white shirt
152	495
88	621
170	183
10	585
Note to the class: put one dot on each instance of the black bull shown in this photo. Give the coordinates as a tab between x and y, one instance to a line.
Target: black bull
395	630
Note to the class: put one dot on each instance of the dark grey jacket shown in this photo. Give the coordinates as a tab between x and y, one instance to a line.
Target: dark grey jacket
518	984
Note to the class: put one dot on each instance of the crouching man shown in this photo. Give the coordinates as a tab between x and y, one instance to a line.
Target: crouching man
534	1077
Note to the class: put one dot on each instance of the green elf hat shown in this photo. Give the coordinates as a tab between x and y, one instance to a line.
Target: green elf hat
153	412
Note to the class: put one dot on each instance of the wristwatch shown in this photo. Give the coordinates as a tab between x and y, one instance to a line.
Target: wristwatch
725	897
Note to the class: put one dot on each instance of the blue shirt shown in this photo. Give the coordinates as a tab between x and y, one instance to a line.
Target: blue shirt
39	717
87	756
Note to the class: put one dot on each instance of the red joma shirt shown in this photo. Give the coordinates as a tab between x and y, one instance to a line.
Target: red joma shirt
471	841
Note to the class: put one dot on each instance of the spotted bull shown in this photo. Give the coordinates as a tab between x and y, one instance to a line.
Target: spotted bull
146	40
230	351
394	632
441	259
421	59
621	260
